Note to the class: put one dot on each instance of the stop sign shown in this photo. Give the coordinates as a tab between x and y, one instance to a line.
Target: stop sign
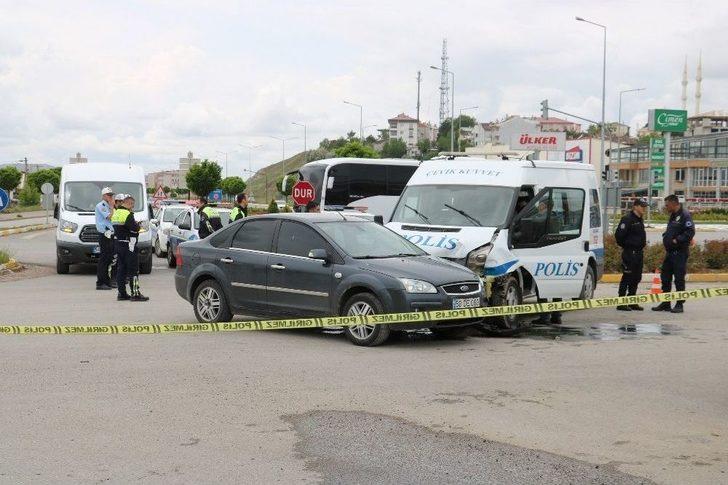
303	192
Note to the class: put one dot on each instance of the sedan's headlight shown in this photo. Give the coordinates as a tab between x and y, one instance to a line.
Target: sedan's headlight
476	258
67	226
417	286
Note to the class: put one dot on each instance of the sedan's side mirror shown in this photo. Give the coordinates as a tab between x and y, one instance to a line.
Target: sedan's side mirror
184	226
319	254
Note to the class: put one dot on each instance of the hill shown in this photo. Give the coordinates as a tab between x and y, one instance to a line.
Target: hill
257	183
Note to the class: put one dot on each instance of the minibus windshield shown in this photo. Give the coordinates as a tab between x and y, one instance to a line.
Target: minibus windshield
454	205
83	196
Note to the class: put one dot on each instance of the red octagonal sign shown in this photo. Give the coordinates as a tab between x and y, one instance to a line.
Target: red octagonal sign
303	192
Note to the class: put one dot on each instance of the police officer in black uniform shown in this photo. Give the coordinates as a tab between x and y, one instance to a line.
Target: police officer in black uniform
209	218
676	239
631	237
126	230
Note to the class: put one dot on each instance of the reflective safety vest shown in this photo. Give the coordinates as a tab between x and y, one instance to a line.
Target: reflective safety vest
119	216
236	213
210	212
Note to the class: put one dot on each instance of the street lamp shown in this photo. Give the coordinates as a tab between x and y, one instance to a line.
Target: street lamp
452	109
305	149
283	141
605	222
226	163
250	154
361	118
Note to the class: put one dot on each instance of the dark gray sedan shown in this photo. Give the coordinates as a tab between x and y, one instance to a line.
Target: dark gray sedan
312	265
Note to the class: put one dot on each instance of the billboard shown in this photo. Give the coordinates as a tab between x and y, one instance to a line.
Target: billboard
574	154
548	142
672	120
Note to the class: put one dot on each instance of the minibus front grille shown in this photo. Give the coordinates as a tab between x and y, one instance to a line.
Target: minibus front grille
89	234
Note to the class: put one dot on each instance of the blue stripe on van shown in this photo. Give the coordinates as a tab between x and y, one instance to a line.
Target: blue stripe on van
500	269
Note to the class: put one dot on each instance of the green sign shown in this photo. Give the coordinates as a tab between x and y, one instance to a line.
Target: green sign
672	120
657	150
658	177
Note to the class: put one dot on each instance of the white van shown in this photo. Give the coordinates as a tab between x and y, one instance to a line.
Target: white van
530	229
80	191
370	185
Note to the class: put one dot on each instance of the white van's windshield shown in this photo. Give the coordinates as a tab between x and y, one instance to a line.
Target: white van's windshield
454	205
83	196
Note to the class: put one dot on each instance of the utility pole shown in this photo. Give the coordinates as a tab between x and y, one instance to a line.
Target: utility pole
419	81
443	83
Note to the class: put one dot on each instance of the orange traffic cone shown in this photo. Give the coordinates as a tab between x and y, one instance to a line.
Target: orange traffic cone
656	288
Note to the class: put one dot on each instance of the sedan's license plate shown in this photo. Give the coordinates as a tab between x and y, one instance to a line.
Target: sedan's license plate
459	303
96	250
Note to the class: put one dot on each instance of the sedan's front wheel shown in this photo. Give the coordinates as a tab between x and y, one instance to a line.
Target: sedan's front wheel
367	335
210	304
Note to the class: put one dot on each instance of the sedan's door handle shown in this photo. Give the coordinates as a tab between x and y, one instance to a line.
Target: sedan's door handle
277	266
226	260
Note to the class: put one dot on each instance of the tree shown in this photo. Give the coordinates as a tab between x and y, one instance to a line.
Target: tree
151	190
167	189
29	196
394	148
351	135
355	149
289	185
10	178
273	207
204	177
443	132
233	186
37	179
424	146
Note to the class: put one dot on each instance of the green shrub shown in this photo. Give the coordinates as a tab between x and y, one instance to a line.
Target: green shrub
4	256
273	207
712	255
29	196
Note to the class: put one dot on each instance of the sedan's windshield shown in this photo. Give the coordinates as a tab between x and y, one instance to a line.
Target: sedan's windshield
368	240
83	196
454	205
171	213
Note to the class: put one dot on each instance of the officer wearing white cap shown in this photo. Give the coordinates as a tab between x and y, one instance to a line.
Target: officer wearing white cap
105	229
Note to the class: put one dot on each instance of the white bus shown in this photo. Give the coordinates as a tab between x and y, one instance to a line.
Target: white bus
370	185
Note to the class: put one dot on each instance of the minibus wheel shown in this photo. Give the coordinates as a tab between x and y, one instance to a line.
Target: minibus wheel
508	293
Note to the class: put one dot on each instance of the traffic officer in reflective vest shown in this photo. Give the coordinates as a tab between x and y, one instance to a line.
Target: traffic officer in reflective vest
209	219
126	230
241	208
631	237
676	239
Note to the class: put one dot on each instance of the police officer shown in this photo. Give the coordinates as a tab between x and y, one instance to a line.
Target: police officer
632	238
118	201
241	208
209	218
127	233
103	213
676	239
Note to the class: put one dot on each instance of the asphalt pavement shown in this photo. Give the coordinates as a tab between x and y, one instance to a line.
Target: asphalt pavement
609	397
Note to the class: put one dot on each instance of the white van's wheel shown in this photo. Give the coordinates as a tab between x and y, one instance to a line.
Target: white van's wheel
590	282
507	294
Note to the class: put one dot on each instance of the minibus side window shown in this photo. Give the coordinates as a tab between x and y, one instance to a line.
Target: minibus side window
595	218
556	217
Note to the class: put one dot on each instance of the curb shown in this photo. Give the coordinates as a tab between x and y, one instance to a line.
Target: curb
695	278
19	230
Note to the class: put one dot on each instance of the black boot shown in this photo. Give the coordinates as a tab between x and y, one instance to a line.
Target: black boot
678	308
123	297
637	308
624	308
556	318
662	307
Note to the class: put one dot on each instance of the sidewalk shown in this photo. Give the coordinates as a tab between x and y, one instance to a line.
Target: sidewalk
5	216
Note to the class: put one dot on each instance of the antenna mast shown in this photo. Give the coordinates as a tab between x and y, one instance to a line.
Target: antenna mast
444	86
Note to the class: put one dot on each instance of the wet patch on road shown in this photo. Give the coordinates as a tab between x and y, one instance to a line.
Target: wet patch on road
599	331
358	447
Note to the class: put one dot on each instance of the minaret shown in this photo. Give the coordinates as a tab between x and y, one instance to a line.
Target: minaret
698	80
685	85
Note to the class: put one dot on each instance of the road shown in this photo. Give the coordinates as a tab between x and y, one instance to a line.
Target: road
610	397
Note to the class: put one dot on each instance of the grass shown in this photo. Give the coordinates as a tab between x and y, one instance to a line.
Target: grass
15	209
4	256
257	183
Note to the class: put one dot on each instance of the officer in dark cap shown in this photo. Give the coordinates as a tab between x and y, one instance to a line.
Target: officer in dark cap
676	239
631	237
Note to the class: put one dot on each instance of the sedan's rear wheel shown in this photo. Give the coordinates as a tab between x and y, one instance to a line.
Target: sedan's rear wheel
366	334
210	304
171	258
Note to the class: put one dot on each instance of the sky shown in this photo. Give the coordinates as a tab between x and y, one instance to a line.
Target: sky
148	81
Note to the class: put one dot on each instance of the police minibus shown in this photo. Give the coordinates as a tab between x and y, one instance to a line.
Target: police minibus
528	228
370	185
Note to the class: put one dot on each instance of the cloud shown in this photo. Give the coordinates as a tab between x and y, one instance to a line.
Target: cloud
151	80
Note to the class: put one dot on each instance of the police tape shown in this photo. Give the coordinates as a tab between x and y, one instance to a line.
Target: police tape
354	320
